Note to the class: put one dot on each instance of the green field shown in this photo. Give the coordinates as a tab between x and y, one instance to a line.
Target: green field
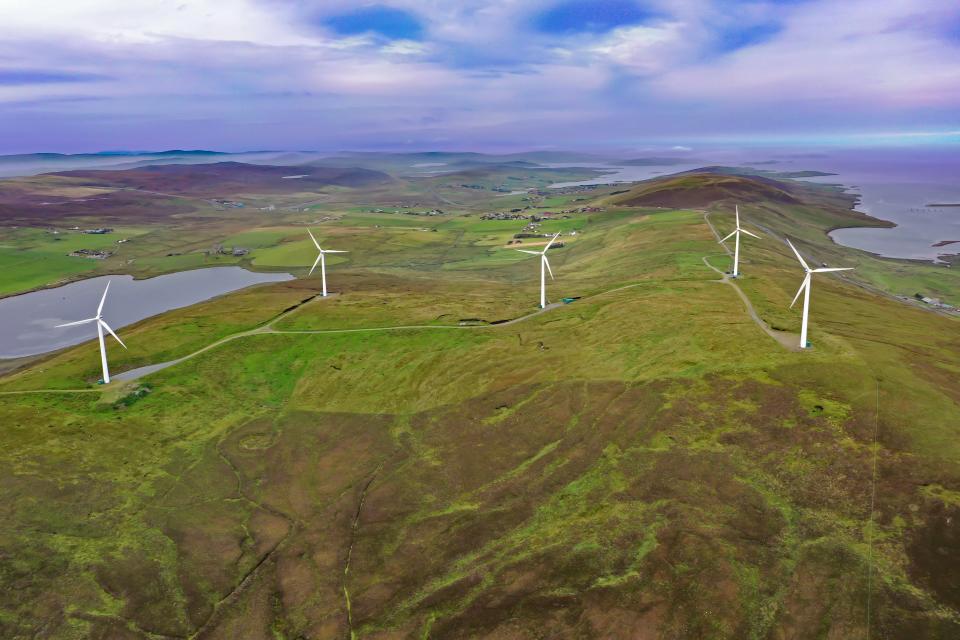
401	460
32	258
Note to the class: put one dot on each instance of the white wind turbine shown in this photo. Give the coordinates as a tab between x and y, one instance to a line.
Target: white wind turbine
322	261
544	268
805	288
101	325
736	251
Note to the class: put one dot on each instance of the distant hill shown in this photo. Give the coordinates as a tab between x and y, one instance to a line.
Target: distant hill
555	156
750	171
228	178
468	165
455	156
36	163
654	162
100	155
701	189
422	161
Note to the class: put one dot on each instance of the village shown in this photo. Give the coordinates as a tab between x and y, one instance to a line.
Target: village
517	214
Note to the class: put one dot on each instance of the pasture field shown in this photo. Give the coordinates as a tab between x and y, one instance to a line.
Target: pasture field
401	460
170	232
31	258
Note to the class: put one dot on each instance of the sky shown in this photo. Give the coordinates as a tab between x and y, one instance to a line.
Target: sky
88	75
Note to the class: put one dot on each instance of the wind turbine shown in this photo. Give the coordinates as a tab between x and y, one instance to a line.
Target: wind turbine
805	288
322	261
544	268
101	325
736	251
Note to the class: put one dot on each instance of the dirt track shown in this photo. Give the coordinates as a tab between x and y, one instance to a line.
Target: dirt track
788	340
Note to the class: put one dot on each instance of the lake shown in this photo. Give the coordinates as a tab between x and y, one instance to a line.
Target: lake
28	321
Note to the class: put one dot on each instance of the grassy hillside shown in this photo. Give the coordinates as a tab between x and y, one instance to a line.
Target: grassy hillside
703	189
643	462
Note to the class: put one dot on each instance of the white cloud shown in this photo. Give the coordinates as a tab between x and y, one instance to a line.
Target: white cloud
481	67
405	48
644	49
139	22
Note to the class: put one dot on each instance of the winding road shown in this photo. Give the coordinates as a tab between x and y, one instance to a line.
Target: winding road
134	374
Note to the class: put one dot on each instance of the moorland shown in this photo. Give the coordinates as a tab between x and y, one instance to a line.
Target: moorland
426	454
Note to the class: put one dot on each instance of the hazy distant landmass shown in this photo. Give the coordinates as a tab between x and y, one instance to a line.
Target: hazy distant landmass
655	162
226	177
944	204
26	157
750	171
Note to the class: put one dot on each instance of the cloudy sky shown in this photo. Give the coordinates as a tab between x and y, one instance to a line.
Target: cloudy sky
82	75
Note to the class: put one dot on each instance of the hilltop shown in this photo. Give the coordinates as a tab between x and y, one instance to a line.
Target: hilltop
702	189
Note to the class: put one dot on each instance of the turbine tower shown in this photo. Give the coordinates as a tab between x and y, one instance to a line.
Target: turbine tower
544	268
101	325
322	260
805	288
736	251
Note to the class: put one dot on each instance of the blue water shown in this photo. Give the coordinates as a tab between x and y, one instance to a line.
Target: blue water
28	322
894	184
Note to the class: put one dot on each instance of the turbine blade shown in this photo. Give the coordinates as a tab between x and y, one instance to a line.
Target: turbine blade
555	236
315	263
107	327
317	244
71	324
103	299
797	253
334	251
750	234
805	283
547	264
533	253
826	269
730	235
737	209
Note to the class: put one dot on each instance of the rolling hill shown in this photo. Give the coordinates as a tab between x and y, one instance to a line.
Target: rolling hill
225	178
703	188
428	455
